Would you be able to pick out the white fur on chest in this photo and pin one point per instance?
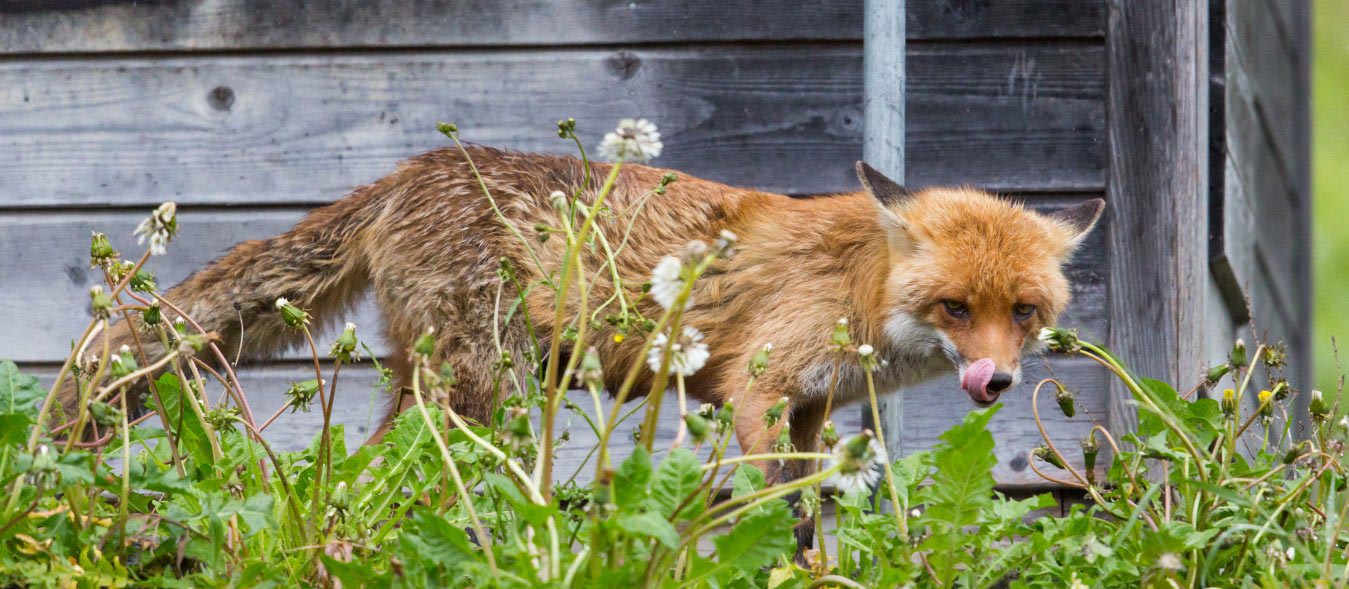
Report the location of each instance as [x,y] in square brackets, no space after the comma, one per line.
[912,354]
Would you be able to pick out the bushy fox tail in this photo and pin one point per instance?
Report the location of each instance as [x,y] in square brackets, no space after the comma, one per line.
[319,265]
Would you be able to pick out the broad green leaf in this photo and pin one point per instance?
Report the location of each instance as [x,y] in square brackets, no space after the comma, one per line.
[678,477]
[962,487]
[650,525]
[632,482]
[182,422]
[19,392]
[753,542]
[14,428]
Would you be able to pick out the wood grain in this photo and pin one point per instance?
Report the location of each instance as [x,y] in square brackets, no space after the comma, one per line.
[67,26]
[1158,186]
[306,129]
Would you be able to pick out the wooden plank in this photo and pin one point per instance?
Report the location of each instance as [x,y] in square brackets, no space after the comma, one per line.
[65,26]
[1259,52]
[1157,129]
[306,129]
[1261,184]
[44,261]
[883,98]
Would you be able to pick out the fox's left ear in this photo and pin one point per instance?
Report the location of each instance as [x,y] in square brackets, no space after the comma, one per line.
[1079,219]
[887,192]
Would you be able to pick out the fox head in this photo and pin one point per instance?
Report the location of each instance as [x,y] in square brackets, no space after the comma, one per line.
[973,277]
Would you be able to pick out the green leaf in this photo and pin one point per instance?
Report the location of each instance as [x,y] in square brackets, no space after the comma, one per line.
[256,511]
[650,525]
[753,542]
[678,476]
[962,487]
[182,422]
[632,482]
[748,479]
[529,511]
[19,392]
[14,428]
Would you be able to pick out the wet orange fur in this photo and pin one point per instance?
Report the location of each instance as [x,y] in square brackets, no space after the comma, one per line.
[426,241]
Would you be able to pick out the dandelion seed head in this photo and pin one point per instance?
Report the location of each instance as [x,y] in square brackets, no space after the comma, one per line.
[687,355]
[667,281]
[635,140]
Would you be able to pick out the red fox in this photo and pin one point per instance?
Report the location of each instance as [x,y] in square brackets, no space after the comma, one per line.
[939,280]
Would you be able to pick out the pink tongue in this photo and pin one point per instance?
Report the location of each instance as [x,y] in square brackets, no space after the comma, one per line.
[977,376]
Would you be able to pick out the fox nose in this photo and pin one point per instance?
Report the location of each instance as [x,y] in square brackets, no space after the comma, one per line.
[1000,382]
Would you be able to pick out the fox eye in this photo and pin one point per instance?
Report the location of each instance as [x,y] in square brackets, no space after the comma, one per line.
[956,309]
[1023,311]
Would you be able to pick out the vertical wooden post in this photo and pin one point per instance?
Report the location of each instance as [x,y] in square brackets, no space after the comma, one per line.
[883,135]
[1157,186]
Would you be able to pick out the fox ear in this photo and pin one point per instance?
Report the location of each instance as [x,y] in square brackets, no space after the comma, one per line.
[1079,219]
[886,191]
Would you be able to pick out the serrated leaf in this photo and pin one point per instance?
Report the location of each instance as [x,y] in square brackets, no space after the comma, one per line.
[182,422]
[679,475]
[650,525]
[19,392]
[962,487]
[14,428]
[754,542]
[632,482]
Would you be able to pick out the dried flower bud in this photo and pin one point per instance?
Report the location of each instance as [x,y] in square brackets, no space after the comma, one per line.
[1281,389]
[1065,399]
[725,244]
[344,349]
[1238,355]
[426,343]
[842,338]
[774,413]
[697,426]
[784,441]
[858,446]
[100,304]
[1058,339]
[693,251]
[105,414]
[1317,407]
[592,371]
[143,282]
[1047,455]
[829,435]
[340,501]
[726,415]
[558,199]
[292,315]
[100,251]
[1090,448]
[1216,373]
[758,364]
[1276,355]
[223,418]
[518,429]
[566,128]
[301,394]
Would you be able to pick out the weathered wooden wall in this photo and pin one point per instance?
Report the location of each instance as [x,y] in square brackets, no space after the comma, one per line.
[1260,191]
[248,113]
